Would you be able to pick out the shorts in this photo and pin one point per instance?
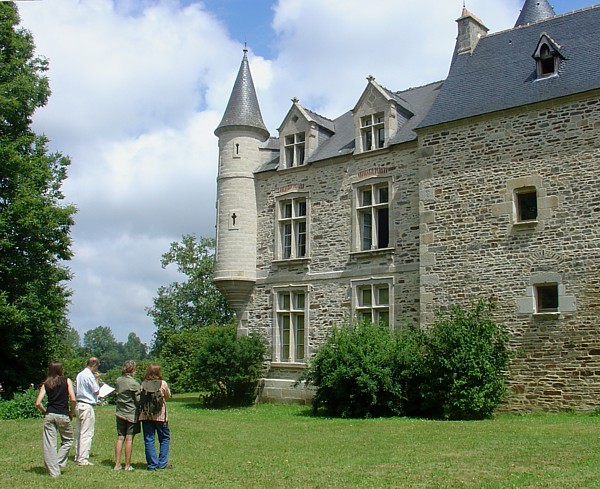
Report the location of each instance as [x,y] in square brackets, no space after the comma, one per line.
[125,427]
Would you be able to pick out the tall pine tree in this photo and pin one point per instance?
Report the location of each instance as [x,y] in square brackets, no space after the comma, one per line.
[34,223]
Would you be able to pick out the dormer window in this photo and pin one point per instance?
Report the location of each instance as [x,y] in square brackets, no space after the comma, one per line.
[547,56]
[372,128]
[548,62]
[294,148]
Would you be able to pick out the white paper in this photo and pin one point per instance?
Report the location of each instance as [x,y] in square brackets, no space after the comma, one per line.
[105,390]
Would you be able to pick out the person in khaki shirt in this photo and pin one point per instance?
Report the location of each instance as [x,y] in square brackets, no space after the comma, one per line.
[128,398]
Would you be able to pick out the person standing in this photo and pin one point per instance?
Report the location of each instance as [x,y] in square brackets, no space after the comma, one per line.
[128,398]
[87,390]
[58,414]
[154,417]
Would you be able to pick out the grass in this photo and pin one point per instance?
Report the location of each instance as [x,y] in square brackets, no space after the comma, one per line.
[273,446]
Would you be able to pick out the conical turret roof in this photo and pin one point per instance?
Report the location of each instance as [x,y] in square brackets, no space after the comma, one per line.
[243,109]
[534,11]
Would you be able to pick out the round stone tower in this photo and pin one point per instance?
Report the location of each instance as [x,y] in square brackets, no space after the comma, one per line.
[240,133]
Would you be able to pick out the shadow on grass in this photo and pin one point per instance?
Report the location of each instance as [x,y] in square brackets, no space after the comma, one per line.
[38,470]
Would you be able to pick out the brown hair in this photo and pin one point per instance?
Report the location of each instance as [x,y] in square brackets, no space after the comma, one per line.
[153,372]
[128,367]
[55,375]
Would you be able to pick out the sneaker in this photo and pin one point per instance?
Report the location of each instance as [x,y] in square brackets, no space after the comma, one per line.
[168,466]
[84,462]
[129,469]
[118,467]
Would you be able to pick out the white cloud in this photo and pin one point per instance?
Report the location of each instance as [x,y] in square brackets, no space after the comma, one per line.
[139,86]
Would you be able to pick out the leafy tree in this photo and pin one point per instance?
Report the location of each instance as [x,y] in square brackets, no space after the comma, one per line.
[194,303]
[34,223]
[100,342]
[134,349]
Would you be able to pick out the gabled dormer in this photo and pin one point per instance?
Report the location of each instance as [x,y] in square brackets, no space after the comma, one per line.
[548,56]
[300,134]
[378,115]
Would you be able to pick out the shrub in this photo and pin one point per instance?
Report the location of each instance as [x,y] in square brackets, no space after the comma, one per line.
[463,373]
[363,371]
[228,367]
[21,406]
[177,359]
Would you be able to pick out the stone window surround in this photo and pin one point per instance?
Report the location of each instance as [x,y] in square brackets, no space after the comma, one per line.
[293,196]
[277,291]
[545,203]
[357,284]
[356,234]
[527,304]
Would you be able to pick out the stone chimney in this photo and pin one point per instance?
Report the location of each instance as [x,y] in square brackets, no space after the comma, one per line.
[470,30]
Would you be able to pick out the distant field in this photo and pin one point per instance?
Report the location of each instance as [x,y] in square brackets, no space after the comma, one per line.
[274,446]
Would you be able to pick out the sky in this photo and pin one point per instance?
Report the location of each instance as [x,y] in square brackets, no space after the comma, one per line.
[138,87]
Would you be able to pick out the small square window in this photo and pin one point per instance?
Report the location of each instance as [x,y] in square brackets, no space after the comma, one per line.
[546,298]
[526,205]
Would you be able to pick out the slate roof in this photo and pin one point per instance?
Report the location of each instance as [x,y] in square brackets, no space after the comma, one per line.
[501,73]
[342,142]
[534,11]
[243,109]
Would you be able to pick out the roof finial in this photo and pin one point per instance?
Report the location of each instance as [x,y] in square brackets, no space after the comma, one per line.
[245,46]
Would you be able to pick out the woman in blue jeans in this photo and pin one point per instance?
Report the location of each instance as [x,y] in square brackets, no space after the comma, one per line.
[156,424]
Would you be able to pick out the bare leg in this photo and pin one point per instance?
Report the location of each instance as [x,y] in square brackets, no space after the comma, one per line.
[128,450]
[118,448]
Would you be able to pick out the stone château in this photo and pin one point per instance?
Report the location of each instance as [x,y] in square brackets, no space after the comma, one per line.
[485,184]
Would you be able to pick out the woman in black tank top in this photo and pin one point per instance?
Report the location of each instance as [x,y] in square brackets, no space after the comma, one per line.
[57,418]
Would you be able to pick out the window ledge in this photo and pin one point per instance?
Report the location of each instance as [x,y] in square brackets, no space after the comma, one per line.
[546,314]
[371,152]
[378,251]
[526,224]
[290,365]
[292,261]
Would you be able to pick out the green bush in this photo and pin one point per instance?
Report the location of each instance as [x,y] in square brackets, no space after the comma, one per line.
[463,373]
[177,359]
[363,371]
[21,406]
[228,367]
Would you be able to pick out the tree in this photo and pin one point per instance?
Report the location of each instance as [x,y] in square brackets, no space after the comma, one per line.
[100,342]
[34,224]
[192,304]
[134,349]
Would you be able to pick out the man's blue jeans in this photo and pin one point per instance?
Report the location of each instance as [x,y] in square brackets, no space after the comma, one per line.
[164,436]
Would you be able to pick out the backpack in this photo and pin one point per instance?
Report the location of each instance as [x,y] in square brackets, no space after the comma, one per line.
[151,398]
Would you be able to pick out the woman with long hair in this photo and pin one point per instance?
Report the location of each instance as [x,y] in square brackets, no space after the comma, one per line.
[155,421]
[58,414]
[128,425]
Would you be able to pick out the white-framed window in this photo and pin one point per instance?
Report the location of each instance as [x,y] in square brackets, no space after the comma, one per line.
[294,149]
[373,216]
[372,300]
[372,131]
[293,227]
[526,204]
[291,312]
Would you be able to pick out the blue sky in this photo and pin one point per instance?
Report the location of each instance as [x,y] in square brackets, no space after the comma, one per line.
[138,87]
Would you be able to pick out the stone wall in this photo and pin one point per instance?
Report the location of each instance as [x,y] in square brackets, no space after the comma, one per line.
[472,246]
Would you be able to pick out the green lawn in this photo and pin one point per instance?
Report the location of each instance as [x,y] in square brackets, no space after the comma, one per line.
[272,446]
